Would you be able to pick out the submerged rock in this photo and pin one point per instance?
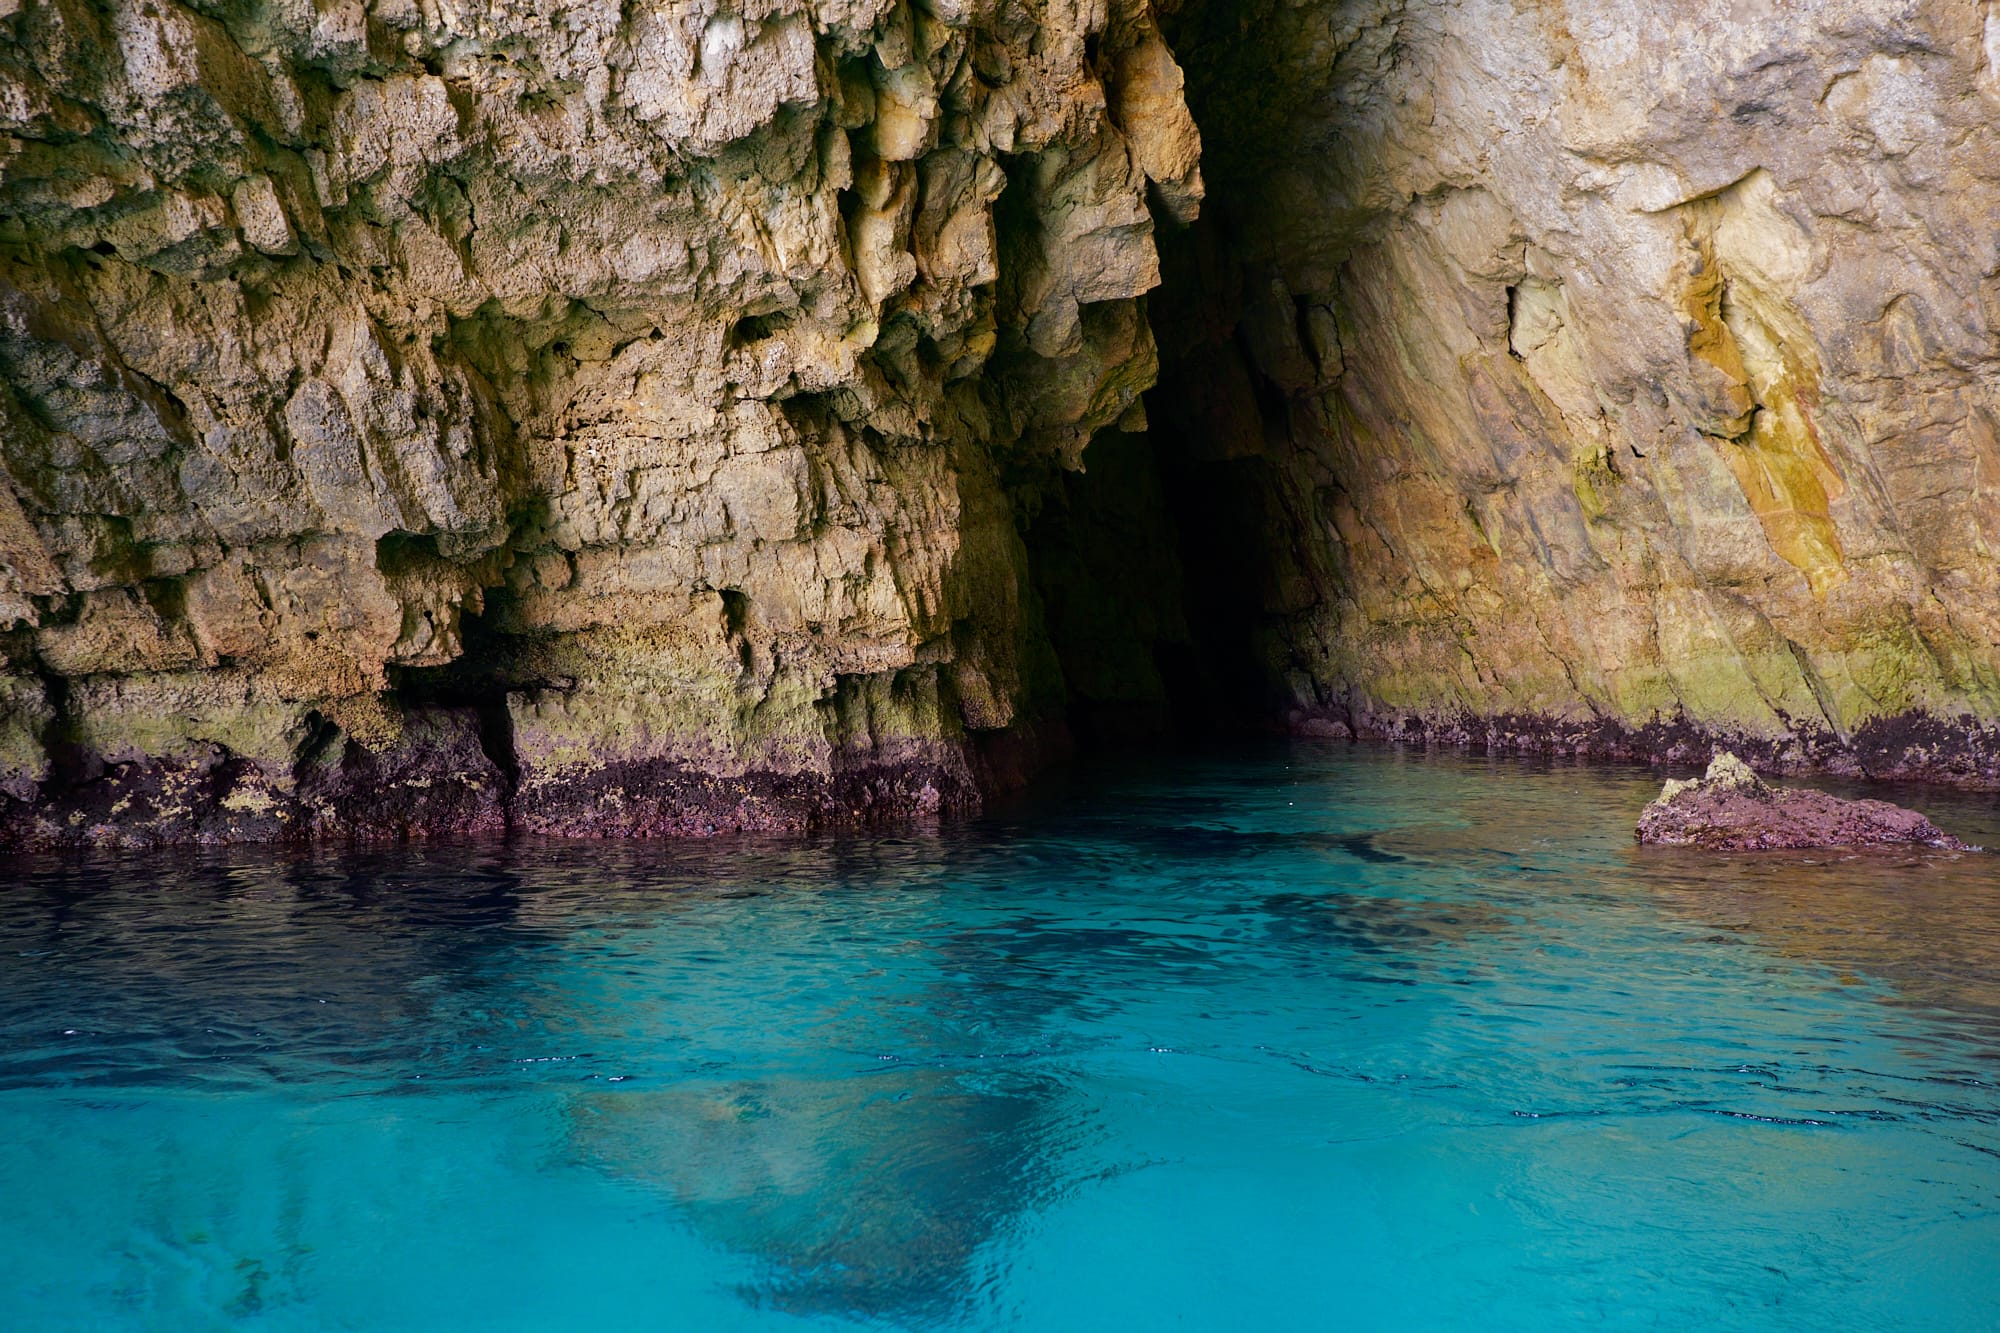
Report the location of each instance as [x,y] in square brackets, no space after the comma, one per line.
[1730,809]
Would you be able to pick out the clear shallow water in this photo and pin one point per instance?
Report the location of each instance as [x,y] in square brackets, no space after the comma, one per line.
[1308,1039]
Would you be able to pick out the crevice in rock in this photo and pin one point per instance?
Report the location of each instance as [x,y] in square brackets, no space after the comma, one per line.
[69,764]
[756,328]
[473,682]
[496,739]
[322,734]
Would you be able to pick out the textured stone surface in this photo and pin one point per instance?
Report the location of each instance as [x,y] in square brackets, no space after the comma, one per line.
[435,779]
[691,358]
[1607,376]
[1729,809]
[696,416]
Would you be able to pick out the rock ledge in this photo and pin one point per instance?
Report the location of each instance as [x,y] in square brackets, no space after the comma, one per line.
[1730,809]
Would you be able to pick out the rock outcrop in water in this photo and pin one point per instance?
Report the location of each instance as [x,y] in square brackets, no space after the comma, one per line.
[1729,809]
[660,419]
[1610,377]
[597,418]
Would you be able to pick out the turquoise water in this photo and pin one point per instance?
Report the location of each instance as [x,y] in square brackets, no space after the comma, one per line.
[1318,1038]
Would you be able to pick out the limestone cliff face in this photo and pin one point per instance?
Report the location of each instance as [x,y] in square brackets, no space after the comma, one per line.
[689,359]
[705,414]
[1607,375]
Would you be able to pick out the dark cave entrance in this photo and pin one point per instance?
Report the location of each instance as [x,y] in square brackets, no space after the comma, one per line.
[1154,566]
[1185,568]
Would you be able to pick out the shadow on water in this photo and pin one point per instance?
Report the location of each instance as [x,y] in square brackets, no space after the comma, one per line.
[868,1196]
[874,1192]
[246,966]
[1368,924]
[868,1193]
[863,1186]
[854,1062]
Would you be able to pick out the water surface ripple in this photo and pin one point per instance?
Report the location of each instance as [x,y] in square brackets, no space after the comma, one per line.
[1304,1038]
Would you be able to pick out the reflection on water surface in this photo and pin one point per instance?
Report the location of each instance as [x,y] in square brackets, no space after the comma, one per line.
[1289,1039]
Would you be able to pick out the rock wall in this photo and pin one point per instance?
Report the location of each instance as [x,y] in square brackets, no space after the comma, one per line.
[1610,377]
[669,418]
[581,417]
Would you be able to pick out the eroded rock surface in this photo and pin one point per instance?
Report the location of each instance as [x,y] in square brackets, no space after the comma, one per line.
[1730,809]
[1610,376]
[668,418]
[691,360]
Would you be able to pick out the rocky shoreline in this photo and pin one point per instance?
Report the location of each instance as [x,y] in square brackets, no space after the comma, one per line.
[1914,746]
[453,772]
[439,783]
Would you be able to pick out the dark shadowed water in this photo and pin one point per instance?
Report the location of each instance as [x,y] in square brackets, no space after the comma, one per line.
[1307,1039]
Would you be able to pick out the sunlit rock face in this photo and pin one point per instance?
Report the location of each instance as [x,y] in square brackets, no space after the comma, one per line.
[689,359]
[679,417]
[1606,376]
